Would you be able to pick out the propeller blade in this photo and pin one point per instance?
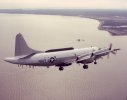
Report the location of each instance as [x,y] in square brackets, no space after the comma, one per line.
[77,58]
[116,49]
[114,52]
[108,56]
[92,54]
[110,47]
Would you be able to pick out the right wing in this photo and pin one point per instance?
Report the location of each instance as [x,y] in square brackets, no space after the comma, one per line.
[93,56]
[86,58]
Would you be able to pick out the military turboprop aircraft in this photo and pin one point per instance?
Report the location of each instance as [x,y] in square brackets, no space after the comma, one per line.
[61,57]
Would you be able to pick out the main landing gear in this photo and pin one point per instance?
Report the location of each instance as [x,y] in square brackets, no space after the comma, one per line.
[85,66]
[61,68]
[95,62]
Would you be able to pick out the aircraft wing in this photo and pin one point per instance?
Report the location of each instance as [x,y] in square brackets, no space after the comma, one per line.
[86,58]
[100,53]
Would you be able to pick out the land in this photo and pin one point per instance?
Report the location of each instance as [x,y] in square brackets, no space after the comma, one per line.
[115,26]
[113,21]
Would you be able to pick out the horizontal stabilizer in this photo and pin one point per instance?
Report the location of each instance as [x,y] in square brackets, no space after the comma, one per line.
[28,56]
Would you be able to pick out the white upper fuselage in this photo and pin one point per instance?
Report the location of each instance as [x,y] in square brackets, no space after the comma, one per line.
[51,58]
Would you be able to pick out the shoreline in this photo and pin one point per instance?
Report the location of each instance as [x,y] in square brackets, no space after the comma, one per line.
[113,30]
[110,23]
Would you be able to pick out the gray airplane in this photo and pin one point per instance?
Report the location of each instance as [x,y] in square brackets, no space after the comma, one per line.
[61,57]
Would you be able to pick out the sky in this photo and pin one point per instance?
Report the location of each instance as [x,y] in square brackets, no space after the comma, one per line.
[85,4]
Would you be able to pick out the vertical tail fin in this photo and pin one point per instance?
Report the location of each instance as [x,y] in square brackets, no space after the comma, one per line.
[21,47]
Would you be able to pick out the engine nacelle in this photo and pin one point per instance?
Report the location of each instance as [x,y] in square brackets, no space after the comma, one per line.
[86,61]
[64,64]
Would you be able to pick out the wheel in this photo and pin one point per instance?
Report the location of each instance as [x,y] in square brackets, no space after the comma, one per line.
[85,66]
[95,62]
[61,68]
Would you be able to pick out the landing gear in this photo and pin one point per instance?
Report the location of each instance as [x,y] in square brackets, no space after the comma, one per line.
[47,66]
[61,68]
[95,62]
[85,66]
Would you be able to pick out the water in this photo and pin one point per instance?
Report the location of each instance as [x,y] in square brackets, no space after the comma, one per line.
[104,81]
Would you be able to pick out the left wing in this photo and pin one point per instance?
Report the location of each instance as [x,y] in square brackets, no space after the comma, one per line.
[103,52]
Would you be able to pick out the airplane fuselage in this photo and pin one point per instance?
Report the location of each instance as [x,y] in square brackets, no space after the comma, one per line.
[61,57]
[52,58]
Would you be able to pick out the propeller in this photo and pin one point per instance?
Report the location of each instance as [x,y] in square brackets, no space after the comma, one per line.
[92,54]
[110,46]
[114,51]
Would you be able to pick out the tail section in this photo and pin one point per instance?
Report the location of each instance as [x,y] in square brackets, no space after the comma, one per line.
[21,47]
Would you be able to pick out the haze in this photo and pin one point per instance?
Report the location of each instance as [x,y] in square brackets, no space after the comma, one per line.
[85,4]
